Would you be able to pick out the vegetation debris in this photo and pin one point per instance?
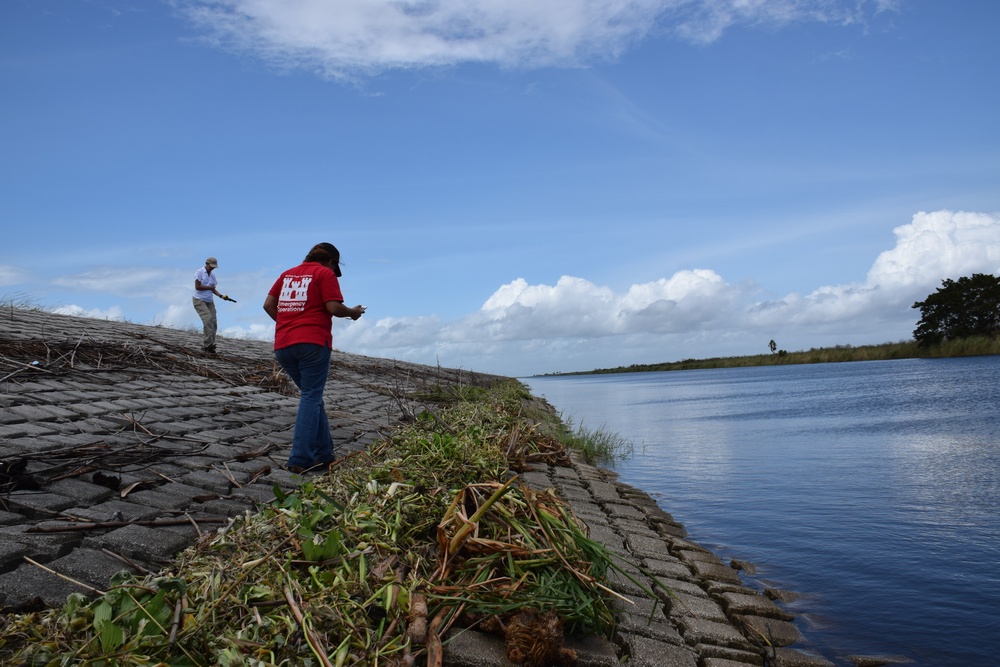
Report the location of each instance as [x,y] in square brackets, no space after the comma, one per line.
[378,562]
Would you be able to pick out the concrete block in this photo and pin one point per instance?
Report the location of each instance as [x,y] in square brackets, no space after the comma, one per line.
[647,618]
[710,652]
[45,503]
[673,569]
[645,652]
[718,572]
[140,542]
[701,631]
[225,507]
[210,480]
[255,493]
[469,648]
[91,567]
[753,605]
[27,429]
[786,657]
[11,555]
[619,583]
[115,510]
[723,662]
[677,586]
[8,518]
[160,499]
[681,604]
[81,491]
[29,585]
[778,632]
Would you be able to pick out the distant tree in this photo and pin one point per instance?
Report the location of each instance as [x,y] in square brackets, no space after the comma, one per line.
[960,308]
[772,346]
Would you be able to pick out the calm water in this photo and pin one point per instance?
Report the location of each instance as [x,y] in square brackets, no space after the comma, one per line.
[872,488]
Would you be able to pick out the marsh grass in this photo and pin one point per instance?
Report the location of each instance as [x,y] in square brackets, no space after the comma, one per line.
[599,446]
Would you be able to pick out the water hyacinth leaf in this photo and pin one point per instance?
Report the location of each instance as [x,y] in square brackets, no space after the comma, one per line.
[102,613]
[111,636]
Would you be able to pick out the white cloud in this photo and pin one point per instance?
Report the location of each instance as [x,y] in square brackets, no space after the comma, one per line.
[352,37]
[939,245]
[12,275]
[112,313]
[705,21]
[114,279]
[523,328]
[254,332]
[175,315]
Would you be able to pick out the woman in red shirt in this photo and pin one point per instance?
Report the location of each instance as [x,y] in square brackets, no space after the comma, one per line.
[303,302]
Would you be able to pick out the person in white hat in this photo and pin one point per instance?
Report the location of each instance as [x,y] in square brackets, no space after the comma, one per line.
[204,303]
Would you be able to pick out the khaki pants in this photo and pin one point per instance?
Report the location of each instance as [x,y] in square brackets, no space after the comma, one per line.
[206,311]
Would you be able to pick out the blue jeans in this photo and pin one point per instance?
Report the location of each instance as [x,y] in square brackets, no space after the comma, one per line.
[308,365]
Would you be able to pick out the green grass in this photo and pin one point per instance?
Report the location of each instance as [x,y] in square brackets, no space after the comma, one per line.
[598,446]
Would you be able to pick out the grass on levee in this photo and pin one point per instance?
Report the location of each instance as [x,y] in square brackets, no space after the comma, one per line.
[962,347]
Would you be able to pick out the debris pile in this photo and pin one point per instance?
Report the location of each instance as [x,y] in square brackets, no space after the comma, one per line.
[374,563]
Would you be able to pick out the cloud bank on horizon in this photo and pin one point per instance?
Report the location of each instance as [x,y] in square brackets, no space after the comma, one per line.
[366,37]
[694,312]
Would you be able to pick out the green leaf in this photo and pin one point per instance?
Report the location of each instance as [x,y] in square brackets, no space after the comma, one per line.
[112,636]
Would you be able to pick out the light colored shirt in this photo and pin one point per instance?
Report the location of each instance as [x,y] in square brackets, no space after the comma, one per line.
[207,280]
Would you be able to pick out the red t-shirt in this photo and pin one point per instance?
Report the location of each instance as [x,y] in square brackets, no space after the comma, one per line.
[302,294]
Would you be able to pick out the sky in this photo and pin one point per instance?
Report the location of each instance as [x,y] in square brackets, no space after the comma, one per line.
[525,187]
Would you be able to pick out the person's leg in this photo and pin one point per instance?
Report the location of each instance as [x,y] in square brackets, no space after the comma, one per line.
[206,311]
[314,365]
[210,327]
[308,366]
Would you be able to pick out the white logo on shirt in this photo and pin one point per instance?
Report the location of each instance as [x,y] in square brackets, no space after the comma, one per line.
[294,293]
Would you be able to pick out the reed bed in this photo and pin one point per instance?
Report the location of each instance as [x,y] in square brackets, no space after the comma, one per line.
[376,563]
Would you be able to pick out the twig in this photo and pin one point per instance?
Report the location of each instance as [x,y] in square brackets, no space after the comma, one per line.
[26,367]
[193,523]
[228,475]
[311,639]
[116,524]
[127,561]
[178,608]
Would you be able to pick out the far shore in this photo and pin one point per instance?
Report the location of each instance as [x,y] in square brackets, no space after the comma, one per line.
[964,347]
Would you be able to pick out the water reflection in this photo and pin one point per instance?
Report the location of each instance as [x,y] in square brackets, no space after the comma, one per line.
[872,487]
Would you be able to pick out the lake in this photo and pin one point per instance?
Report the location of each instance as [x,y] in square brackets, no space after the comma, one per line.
[871,488]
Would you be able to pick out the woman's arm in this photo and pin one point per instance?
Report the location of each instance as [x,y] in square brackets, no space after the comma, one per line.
[338,309]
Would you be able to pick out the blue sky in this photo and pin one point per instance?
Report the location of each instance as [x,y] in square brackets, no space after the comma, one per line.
[522,187]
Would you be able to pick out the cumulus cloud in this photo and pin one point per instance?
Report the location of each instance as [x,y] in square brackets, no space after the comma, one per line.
[939,245]
[694,313]
[352,37]
[932,247]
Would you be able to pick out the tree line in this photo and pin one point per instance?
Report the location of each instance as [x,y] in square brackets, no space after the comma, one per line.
[963,308]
